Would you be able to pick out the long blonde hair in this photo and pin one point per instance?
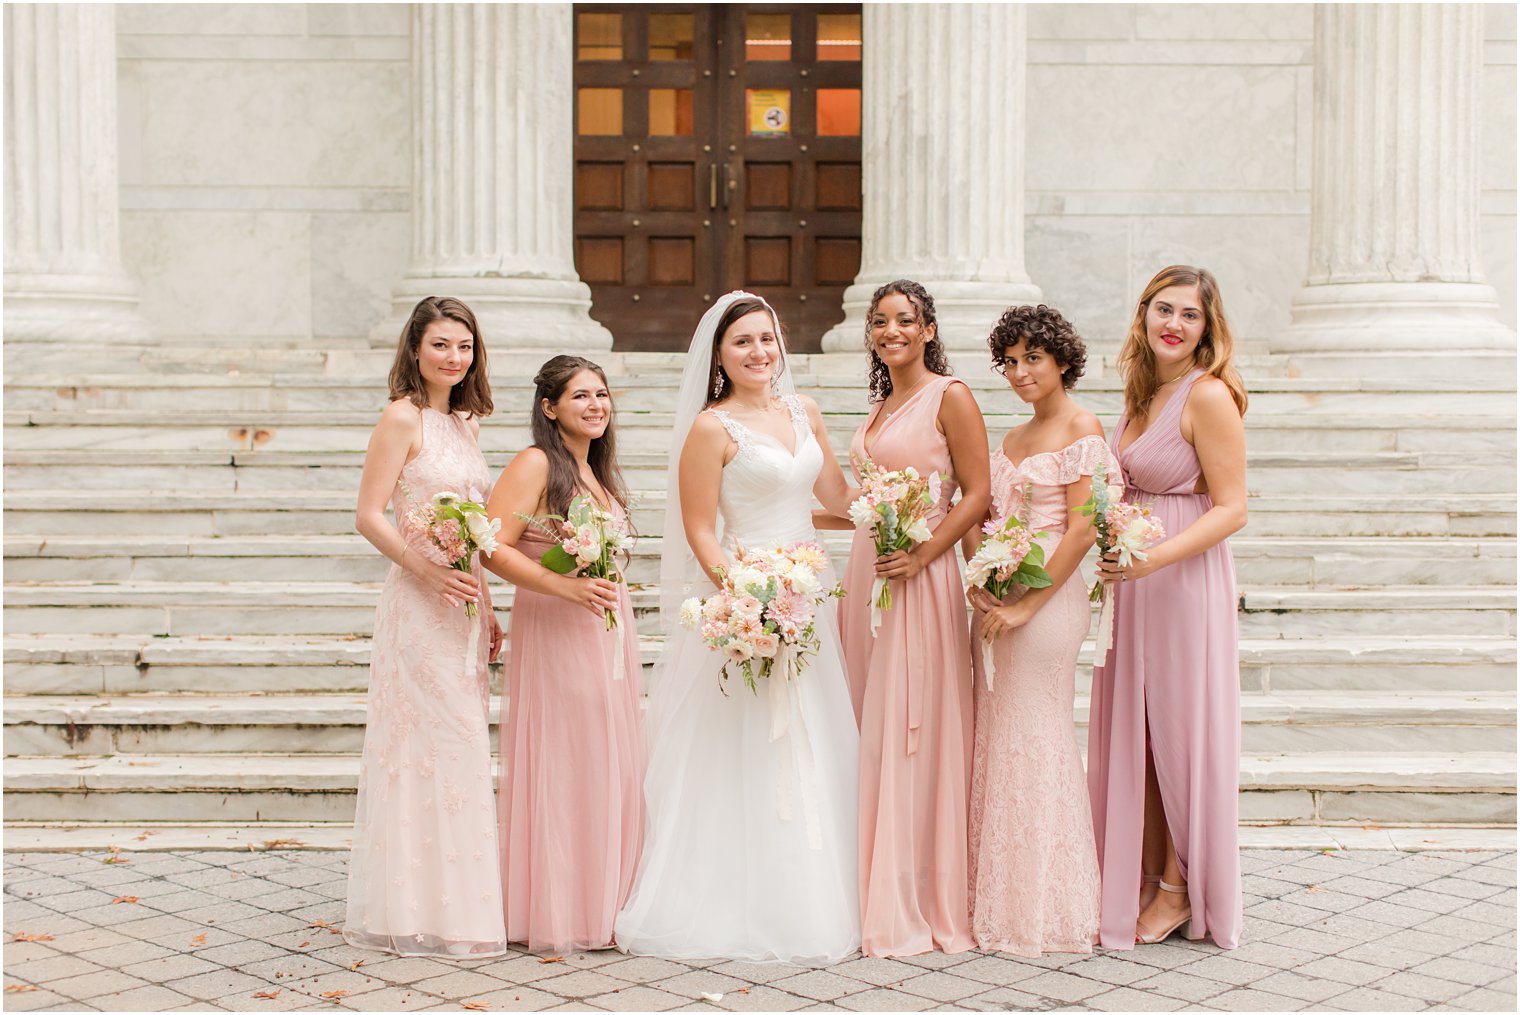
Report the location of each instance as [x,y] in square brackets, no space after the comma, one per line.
[1215,354]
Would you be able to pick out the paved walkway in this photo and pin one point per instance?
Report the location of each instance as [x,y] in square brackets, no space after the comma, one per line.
[1325,930]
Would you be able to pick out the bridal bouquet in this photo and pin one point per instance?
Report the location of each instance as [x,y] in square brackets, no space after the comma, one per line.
[1008,557]
[460,529]
[763,612]
[589,539]
[895,507]
[1126,529]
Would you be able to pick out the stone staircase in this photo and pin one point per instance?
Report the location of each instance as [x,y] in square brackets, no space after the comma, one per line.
[187,607]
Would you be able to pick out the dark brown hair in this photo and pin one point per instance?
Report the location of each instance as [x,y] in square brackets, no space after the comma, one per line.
[564,474]
[923,313]
[717,380]
[472,392]
[1044,328]
[1216,349]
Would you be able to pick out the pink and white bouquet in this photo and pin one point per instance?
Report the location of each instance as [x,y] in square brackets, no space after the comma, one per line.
[894,506]
[590,539]
[1125,529]
[460,529]
[1008,557]
[764,611]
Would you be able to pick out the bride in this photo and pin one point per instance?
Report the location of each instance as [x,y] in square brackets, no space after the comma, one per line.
[750,839]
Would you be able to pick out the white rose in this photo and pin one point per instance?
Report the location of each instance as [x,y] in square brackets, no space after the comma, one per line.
[919,531]
[691,613]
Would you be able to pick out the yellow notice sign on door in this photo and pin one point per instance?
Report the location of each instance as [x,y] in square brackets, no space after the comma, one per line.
[770,112]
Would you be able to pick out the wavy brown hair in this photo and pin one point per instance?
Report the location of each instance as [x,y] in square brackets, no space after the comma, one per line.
[564,473]
[1215,354]
[472,392]
[880,377]
[1044,328]
[719,386]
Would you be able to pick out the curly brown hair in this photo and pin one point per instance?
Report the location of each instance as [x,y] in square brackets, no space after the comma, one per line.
[934,351]
[1044,328]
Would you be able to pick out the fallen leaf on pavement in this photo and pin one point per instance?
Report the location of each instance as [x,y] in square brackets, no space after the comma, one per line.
[283,843]
[198,940]
[474,1006]
[303,944]
[32,937]
[144,836]
[355,967]
[334,994]
[20,988]
[115,859]
[1314,888]
[123,898]
[268,995]
[553,958]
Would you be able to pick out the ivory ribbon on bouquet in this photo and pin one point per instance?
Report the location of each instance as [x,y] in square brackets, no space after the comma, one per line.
[987,647]
[878,586]
[619,651]
[471,653]
[1105,626]
[794,753]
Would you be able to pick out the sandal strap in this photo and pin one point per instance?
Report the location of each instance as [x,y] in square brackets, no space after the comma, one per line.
[1174,889]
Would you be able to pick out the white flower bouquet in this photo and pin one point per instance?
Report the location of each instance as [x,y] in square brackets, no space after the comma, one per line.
[1124,529]
[894,507]
[1008,557]
[460,529]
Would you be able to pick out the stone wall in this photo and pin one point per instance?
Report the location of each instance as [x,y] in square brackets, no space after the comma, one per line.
[265,161]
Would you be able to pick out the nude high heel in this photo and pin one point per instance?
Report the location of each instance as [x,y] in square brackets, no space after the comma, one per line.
[1159,936]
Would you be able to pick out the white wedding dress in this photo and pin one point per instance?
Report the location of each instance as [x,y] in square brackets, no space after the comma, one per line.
[750,849]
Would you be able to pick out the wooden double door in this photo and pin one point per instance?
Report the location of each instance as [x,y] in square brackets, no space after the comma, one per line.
[717,147]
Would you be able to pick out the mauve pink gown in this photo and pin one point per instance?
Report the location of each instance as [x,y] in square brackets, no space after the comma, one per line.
[423,878]
[1176,664]
[1034,869]
[911,687]
[571,800]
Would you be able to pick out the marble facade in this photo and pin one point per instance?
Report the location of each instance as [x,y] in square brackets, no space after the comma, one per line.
[266,159]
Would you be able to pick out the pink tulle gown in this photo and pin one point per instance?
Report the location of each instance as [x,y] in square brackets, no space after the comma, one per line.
[911,687]
[1034,869]
[423,877]
[572,770]
[1175,666]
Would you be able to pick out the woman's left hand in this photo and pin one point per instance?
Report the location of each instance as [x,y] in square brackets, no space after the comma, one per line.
[1109,571]
[999,621]
[899,565]
[494,627]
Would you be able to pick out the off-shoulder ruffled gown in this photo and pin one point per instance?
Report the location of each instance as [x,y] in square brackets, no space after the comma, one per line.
[423,877]
[1034,869]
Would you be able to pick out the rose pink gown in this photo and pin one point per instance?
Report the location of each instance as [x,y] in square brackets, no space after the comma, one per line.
[911,687]
[423,877]
[1175,666]
[1034,869]
[572,770]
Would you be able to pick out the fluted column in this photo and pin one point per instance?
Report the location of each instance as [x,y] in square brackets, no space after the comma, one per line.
[1393,259]
[64,279]
[492,175]
[942,131]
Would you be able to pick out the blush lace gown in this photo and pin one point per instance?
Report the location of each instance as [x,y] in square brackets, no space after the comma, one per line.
[423,877]
[1174,673]
[572,770]
[1034,869]
[911,687]
[750,845]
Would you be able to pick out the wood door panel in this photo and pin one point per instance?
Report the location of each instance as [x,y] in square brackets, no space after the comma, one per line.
[683,201]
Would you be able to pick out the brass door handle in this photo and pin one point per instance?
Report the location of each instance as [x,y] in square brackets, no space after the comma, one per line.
[728,176]
[712,186]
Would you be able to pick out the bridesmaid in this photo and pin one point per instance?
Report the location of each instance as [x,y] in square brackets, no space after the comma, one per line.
[423,877]
[572,756]
[1034,870]
[1165,723]
[911,683]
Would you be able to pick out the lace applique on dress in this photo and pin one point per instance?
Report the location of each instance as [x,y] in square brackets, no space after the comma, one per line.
[736,430]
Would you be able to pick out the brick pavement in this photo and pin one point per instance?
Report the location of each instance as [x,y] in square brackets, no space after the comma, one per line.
[1326,930]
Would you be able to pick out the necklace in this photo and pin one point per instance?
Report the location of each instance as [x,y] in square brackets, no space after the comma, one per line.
[909,394]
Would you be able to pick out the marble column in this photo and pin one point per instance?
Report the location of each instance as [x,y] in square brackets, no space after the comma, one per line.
[492,175]
[64,279]
[1393,259]
[942,131]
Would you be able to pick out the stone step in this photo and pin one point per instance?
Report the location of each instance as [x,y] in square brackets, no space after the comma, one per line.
[1397,788]
[314,608]
[1269,473]
[139,663]
[1258,561]
[833,392]
[186,512]
[1280,723]
[275,430]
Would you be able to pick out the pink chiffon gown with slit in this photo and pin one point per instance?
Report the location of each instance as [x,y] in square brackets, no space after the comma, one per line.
[423,876]
[571,800]
[1173,677]
[911,688]
[1034,869]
